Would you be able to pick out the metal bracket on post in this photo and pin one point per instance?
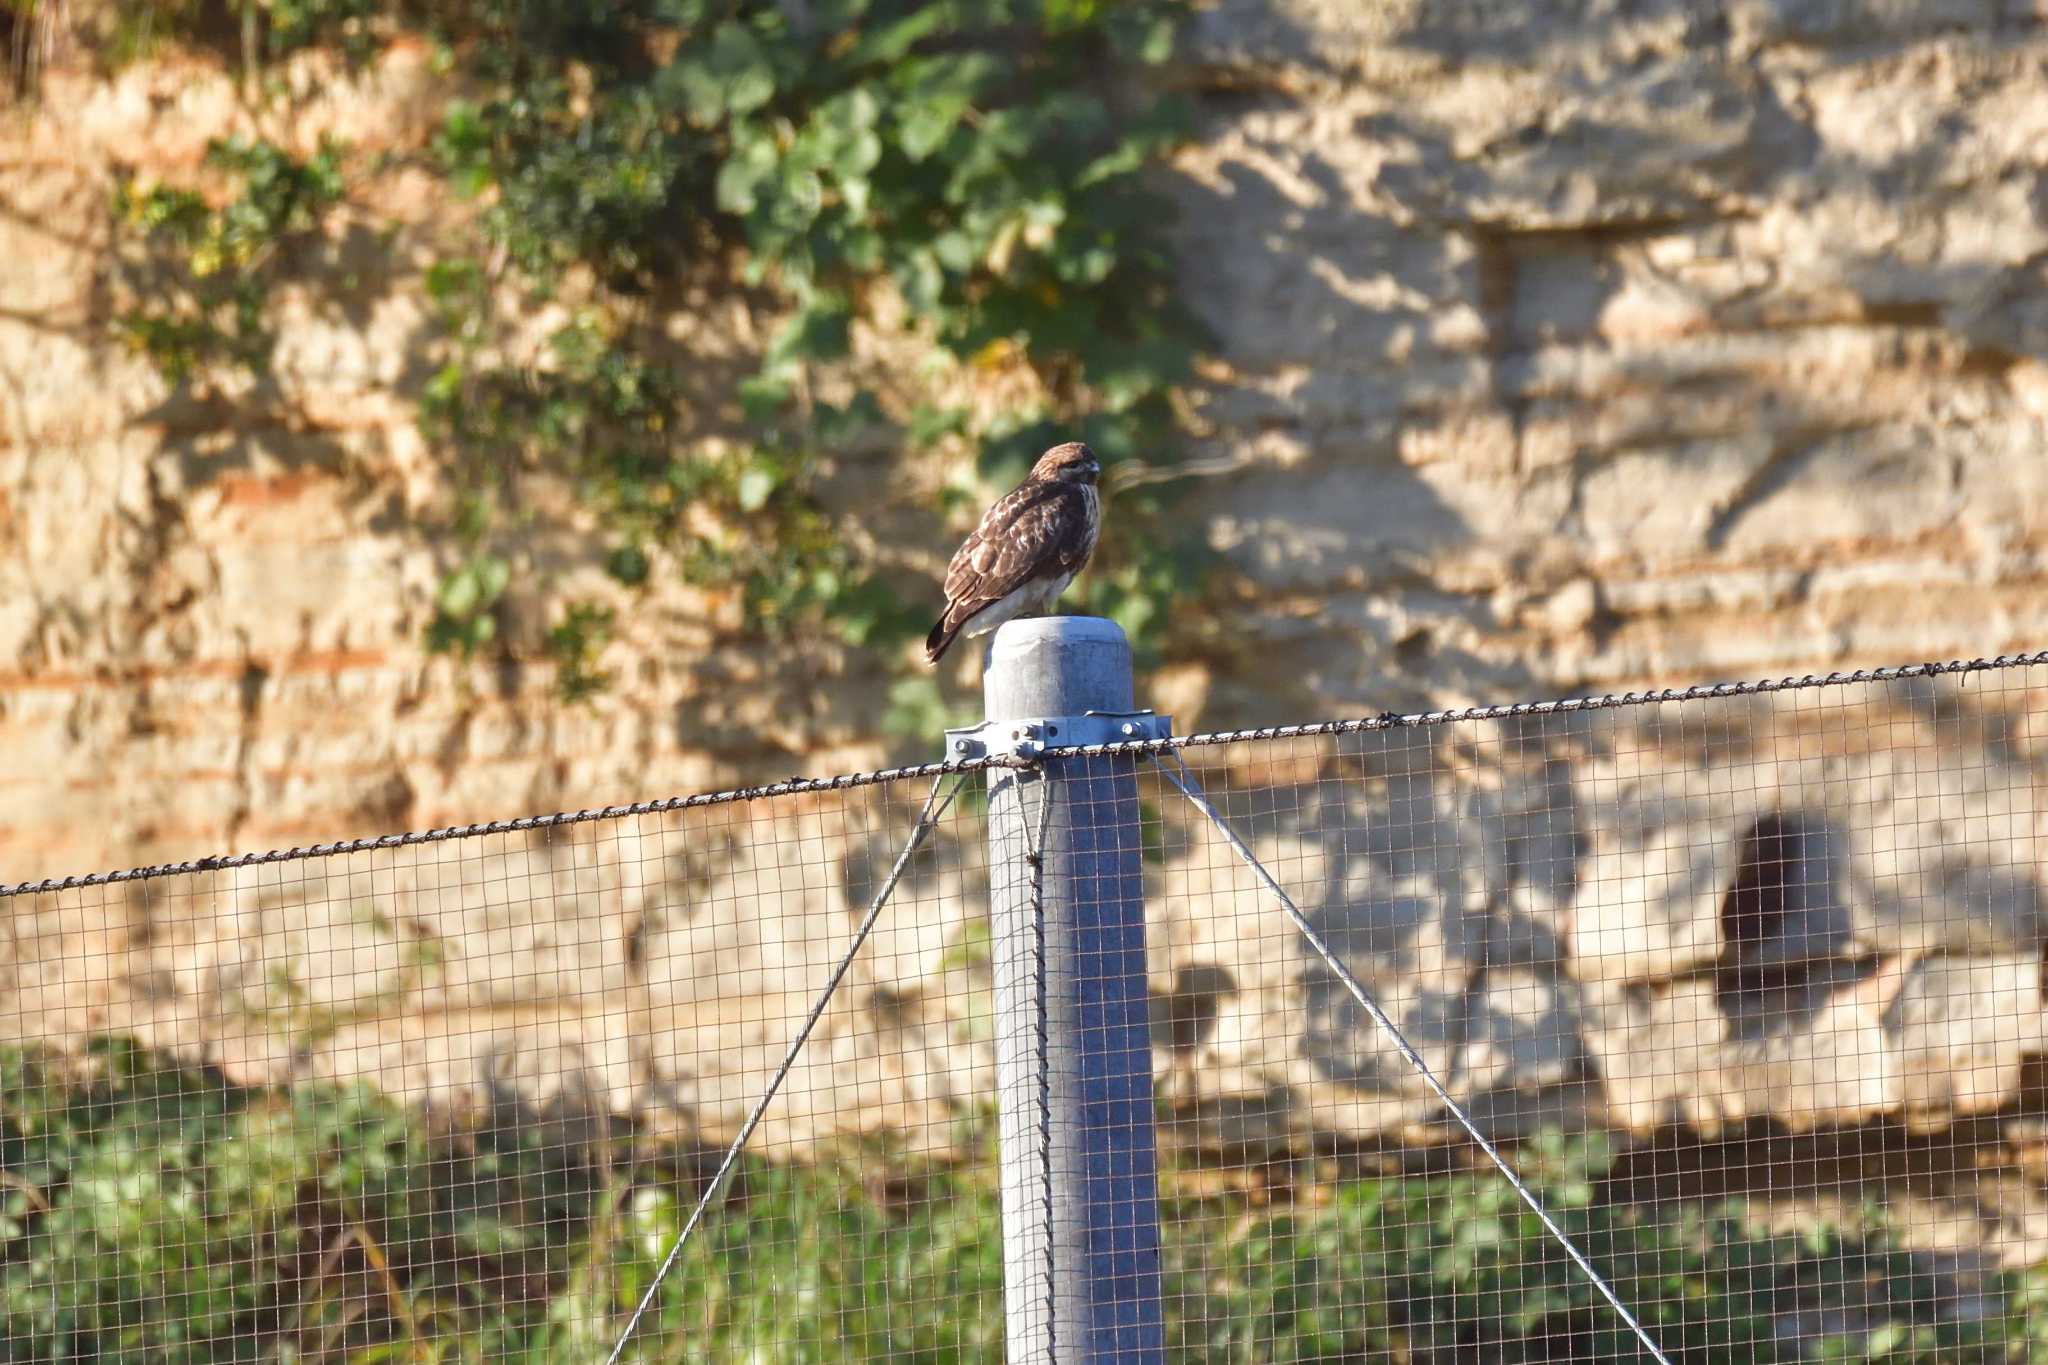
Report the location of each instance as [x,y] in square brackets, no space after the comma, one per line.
[1033,739]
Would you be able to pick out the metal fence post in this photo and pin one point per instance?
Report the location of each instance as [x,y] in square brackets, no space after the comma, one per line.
[1073,1055]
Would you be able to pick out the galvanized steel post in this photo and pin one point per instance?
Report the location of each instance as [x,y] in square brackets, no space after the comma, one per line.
[1073,1046]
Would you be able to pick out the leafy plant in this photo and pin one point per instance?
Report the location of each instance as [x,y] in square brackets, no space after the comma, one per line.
[206,307]
[155,1212]
[972,172]
[1457,1268]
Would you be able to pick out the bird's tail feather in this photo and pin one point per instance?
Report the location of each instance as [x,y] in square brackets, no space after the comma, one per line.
[936,643]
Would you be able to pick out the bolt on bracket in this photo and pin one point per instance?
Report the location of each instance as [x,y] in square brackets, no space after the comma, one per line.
[1033,739]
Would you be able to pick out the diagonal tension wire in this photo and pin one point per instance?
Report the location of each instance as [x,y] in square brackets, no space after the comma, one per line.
[1192,792]
[934,807]
[1034,854]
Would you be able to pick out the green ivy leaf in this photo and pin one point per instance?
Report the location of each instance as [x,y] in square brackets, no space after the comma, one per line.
[822,331]
[893,41]
[731,77]
[757,483]
[473,587]
[628,564]
[929,424]
[752,165]
[922,127]
[835,424]
[763,395]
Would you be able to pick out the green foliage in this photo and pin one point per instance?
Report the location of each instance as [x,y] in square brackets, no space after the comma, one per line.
[247,31]
[206,301]
[1458,1268]
[155,1213]
[981,161]
[288,26]
[817,1268]
[465,609]
[574,645]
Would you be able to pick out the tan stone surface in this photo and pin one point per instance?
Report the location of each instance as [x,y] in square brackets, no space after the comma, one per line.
[1818,909]
[1580,345]
[1558,348]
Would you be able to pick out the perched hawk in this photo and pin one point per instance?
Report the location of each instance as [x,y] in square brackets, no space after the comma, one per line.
[1029,546]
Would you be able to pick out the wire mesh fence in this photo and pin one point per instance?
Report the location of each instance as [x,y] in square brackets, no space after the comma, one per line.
[1744,984]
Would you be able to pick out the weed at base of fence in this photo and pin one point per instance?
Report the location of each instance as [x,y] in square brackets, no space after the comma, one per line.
[153,1212]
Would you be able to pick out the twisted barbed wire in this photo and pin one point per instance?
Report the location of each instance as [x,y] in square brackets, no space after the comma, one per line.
[796,786]
[1035,856]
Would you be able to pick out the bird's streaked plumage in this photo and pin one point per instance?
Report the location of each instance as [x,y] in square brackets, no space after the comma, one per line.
[1030,545]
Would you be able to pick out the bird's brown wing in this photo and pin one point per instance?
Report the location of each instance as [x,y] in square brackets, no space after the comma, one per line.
[1035,530]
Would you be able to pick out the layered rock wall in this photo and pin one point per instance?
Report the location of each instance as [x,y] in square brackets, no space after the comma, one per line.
[1587,343]
[1557,347]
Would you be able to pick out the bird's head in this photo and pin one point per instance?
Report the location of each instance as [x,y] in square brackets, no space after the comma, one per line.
[1072,462]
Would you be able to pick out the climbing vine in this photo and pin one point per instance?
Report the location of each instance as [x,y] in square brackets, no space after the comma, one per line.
[973,172]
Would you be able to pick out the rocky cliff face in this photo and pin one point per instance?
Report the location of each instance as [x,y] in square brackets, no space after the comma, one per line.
[211,608]
[1595,342]
[1560,346]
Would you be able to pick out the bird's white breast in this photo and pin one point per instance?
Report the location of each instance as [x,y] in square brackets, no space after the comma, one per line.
[1033,596]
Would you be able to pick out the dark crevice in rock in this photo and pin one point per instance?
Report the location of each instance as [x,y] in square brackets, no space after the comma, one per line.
[1784,927]
[1184,1017]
